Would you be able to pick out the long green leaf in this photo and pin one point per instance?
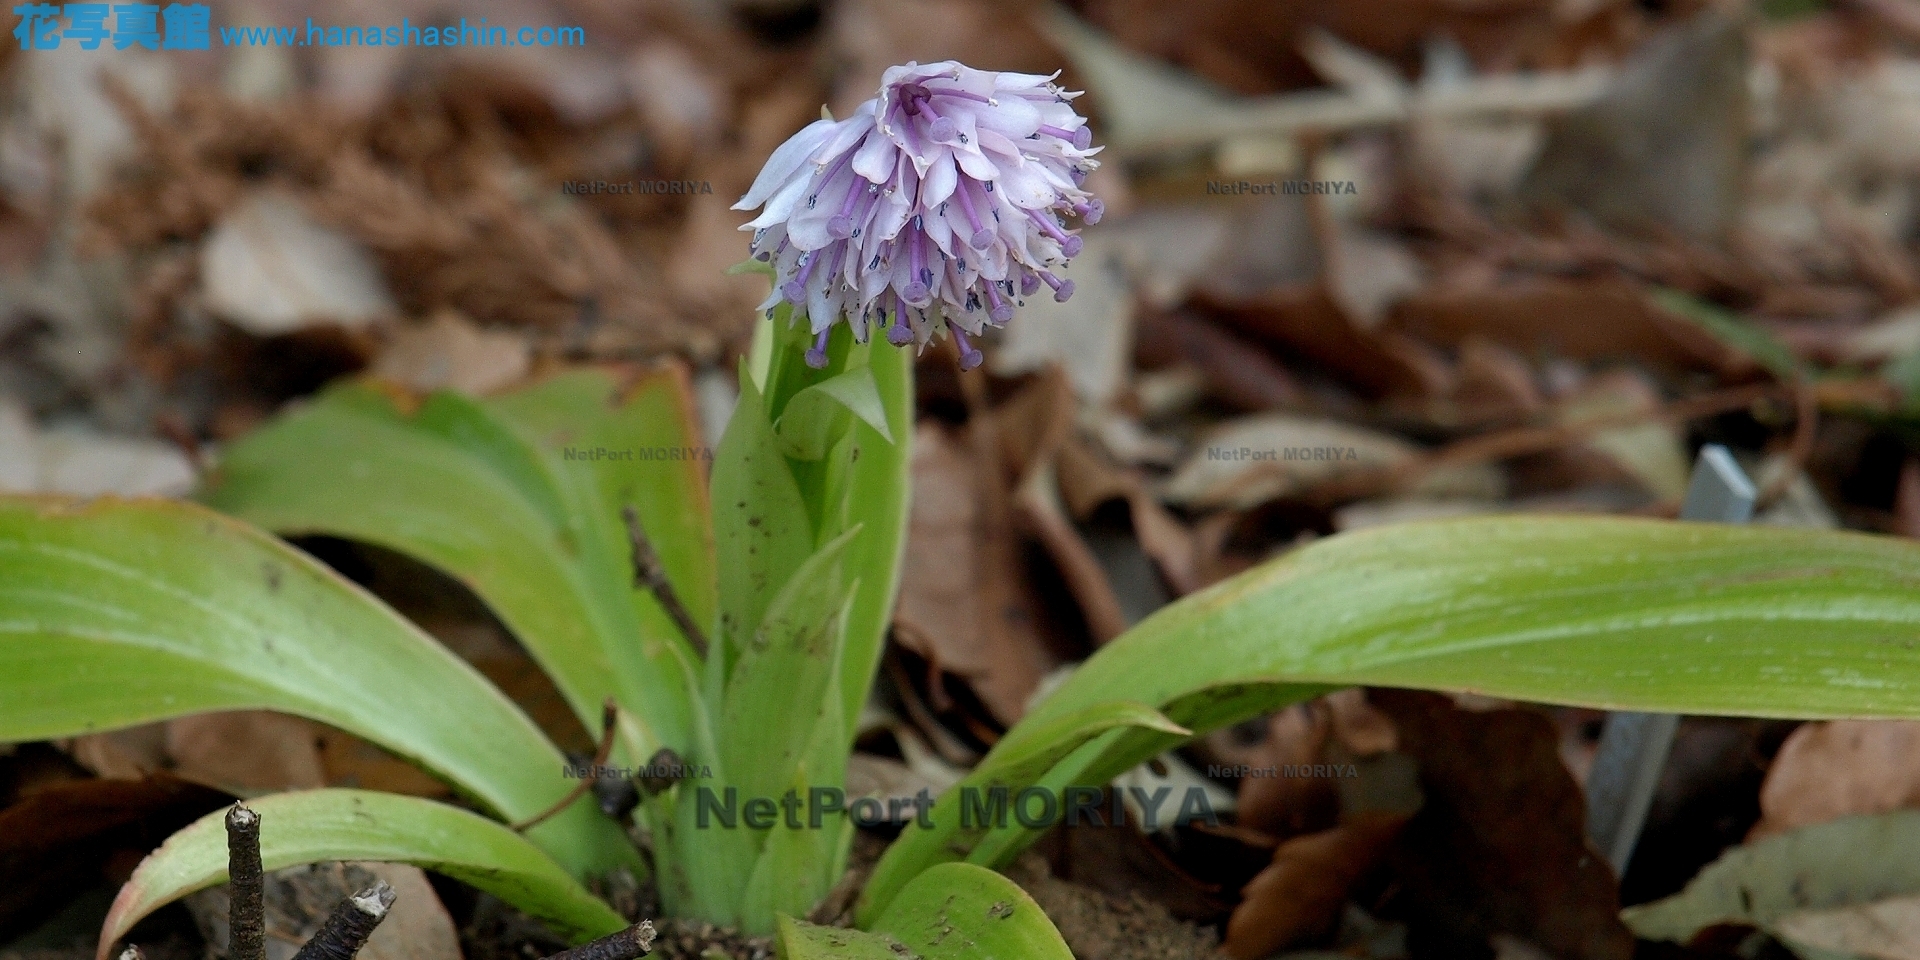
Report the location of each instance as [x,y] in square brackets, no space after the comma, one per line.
[519,497]
[114,613]
[780,728]
[951,836]
[315,826]
[1612,613]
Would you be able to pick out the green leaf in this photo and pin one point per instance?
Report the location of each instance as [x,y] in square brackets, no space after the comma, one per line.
[808,424]
[1116,751]
[957,911]
[800,940]
[793,872]
[1842,863]
[1605,612]
[951,838]
[315,826]
[873,482]
[588,410]
[775,699]
[863,481]
[519,498]
[1733,331]
[780,728]
[760,521]
[115,613]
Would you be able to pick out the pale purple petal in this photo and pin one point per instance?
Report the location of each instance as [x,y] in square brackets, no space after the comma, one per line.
[950,186]
[786,159]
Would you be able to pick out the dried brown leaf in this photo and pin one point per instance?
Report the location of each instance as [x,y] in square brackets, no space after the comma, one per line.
[246,752]
[450,353]
[1578,319]
[963,604]
[1829,770]
[1500,847]
[1289,806]
[1299,897]
[55,841]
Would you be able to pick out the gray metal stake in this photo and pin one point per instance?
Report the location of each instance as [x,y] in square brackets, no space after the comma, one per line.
[1634,746]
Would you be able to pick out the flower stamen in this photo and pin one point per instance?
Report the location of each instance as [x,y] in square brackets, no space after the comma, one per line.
[982,237]
[817,357]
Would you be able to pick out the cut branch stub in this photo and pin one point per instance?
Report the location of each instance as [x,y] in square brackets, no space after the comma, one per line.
[629,944]
[246,914]
[349,925]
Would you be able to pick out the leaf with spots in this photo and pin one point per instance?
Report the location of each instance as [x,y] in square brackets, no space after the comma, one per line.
[761,530]
[863,476]
[958,911]
[800,940]
[955,911]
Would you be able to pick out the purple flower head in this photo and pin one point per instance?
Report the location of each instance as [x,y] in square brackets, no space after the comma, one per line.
[935,206]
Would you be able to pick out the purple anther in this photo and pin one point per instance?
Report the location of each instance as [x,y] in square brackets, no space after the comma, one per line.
[970,356]
[817,357]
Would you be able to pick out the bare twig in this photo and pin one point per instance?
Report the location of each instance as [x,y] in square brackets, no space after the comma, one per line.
[1805,425]
[647,572]
[246,913]
[349,925]
[635,941]
[609,713]
[174,428]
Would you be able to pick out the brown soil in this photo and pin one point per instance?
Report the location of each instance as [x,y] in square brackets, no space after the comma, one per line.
[1100,926]
[692,940]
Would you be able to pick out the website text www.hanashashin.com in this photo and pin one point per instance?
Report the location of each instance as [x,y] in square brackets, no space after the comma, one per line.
[406,34]
[188,26]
